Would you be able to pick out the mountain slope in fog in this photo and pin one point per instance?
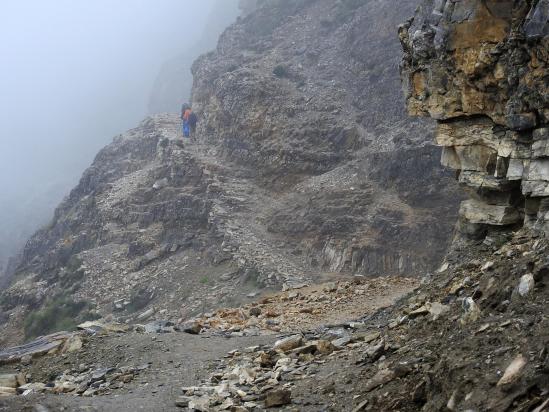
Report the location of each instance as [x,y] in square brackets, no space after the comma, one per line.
[304,165]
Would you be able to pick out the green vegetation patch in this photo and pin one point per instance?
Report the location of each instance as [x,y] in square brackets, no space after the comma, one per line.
[72,274]
[61,313]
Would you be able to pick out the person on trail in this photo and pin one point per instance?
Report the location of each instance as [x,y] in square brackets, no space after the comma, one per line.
[185,115]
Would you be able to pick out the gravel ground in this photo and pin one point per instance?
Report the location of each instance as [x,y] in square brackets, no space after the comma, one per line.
[178,359]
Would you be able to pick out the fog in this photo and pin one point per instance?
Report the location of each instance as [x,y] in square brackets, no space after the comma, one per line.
[73,74]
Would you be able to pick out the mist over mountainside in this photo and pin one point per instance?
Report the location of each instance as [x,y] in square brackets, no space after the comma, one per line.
[76,75]
[299,251]
[173,84]
[304,165]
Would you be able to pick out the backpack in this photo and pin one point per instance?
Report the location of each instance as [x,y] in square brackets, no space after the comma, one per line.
[184,108]
[193,119]
[187,115]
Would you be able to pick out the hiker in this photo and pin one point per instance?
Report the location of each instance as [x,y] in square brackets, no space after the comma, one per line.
[185,115]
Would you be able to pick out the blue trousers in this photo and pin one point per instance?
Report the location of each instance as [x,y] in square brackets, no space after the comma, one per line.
[186,129]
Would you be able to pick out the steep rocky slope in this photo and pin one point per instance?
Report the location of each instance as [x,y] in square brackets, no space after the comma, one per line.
[326,112]
[472,337]
[304,165]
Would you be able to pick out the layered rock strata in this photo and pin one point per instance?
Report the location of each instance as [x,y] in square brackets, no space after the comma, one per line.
[481,68]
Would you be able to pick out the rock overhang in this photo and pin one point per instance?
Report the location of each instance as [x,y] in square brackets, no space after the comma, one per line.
[481,69]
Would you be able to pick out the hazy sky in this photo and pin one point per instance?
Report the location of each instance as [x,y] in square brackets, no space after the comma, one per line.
[72,66]
[73,74]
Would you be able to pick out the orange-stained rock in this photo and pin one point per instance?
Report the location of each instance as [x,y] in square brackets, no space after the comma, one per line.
[480,69]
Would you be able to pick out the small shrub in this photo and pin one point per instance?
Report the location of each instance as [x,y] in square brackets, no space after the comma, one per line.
[280,71]
[204,280]
[231,302]
[251,279]
[72,274]
[74,263]
[500,240]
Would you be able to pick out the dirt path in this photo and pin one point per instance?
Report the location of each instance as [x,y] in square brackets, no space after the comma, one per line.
[176,360]
[173,360]
[312,307]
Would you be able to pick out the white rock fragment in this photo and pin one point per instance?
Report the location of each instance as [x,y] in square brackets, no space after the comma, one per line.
[160,184]
[526,285]
[9,381]
[444,267]
[472,311]
[513,371]
[289,343]
[487,266]
[438,309]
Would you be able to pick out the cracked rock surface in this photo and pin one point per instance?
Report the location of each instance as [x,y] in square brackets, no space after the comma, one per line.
[481,69]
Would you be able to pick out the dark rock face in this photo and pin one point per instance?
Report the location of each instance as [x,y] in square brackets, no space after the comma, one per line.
[536,22]
[481,69]
[304,164]
[307,93]
[307,100]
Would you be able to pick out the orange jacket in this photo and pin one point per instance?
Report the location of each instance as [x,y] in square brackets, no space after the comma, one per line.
[186,115]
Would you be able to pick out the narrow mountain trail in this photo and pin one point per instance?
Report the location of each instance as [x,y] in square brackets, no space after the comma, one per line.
[240,206]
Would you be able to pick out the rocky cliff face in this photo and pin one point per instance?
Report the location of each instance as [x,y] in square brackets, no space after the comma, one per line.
[482,70]
[305,165]
[254,201]
[307,94]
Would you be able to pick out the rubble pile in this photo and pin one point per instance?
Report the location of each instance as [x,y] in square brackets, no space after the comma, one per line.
[263,376]
[318,176]
[306,308]
[84,381]
[10,382]
[61,342]
[473,337]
